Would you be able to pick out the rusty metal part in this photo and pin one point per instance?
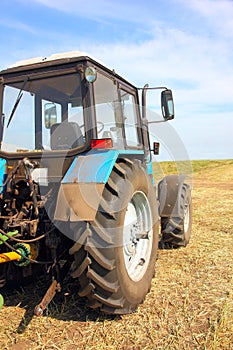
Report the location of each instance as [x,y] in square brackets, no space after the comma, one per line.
[28,167]
[49,295]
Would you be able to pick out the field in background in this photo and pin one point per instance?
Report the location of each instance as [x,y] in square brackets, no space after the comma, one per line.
[190,305]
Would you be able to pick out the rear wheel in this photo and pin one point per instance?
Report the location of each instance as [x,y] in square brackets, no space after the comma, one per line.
[115,256]
[176,231]
[137,236]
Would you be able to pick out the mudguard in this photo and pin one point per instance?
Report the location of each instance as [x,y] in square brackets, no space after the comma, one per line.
[169,195]
[81,189]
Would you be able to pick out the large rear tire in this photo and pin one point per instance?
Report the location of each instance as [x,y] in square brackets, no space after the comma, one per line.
[115,256]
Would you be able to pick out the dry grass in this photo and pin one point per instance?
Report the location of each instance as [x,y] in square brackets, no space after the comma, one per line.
[190,305]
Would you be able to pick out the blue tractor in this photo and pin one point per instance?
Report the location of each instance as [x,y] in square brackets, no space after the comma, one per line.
[77,195]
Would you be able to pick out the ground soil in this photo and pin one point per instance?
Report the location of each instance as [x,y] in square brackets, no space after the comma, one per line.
[190,305]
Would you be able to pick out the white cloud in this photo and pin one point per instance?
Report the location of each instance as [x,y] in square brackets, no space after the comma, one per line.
[217,12]
[103,9]
[192,64]
[17,25]
[197,65]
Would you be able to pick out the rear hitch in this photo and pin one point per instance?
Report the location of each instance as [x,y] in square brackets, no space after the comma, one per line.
[54,287]
[48,297]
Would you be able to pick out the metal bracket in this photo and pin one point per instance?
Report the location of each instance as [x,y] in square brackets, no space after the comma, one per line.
[49,295]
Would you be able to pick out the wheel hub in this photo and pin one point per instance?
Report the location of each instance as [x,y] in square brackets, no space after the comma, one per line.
[131,247]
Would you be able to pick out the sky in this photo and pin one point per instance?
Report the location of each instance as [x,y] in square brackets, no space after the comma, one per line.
[186,45]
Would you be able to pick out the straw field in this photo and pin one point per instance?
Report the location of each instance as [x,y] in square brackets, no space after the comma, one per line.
[190,305]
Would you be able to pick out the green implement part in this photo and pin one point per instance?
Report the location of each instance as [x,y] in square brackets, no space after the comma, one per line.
[1,301]
[5,238]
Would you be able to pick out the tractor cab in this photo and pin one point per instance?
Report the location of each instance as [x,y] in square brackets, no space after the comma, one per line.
[65,106]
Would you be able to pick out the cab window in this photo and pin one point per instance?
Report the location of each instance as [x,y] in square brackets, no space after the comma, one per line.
[44,113]
[108,111]
[128,105]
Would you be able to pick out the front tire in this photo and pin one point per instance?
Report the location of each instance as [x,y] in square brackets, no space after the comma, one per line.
[115,260]
[176,231]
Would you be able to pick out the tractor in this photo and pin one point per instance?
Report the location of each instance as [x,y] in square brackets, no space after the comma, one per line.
[77,194]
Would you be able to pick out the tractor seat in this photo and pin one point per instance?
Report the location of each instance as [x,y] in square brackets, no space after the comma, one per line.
[66,136]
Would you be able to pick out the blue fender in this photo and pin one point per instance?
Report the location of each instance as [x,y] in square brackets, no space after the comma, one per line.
[81,189]
[91,167]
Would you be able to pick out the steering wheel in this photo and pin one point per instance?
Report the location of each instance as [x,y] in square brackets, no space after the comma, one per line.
[99,129]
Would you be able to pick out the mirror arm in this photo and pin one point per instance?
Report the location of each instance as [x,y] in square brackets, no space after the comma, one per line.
[145,88]
[157,121]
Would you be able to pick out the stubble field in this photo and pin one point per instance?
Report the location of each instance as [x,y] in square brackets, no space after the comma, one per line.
[190,305]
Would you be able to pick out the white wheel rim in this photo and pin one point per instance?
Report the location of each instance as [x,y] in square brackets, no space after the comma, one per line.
[137,236]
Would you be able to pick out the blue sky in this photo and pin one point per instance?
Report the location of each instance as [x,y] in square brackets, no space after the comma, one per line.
[186,45]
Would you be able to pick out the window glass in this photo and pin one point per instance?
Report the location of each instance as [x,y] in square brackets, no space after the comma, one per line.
[19,131]
[108,112]
[44,113]
[130,118]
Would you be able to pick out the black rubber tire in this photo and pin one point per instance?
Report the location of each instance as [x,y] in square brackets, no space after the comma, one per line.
[98,255]
[176,231]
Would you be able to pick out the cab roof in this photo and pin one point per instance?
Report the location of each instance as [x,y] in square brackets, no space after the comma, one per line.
[54,57]
[56,60]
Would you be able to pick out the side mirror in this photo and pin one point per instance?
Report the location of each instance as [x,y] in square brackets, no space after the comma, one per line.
[167,105]
[50,115]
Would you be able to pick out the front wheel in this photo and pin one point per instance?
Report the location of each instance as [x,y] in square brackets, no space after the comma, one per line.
[115,263]
[176,231]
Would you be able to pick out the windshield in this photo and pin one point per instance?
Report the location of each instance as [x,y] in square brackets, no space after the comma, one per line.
[43,114]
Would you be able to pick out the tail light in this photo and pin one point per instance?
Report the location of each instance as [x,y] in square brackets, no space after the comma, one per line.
[101,143]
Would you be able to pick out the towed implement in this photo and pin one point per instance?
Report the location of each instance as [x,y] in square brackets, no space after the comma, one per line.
[77,195]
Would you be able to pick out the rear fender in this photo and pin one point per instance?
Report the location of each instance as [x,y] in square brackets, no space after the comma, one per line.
[81,189]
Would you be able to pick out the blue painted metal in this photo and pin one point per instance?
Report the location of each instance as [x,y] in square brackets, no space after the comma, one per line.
[95,166]
[149,168]
[2,173]
[130,151]
[150,172]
